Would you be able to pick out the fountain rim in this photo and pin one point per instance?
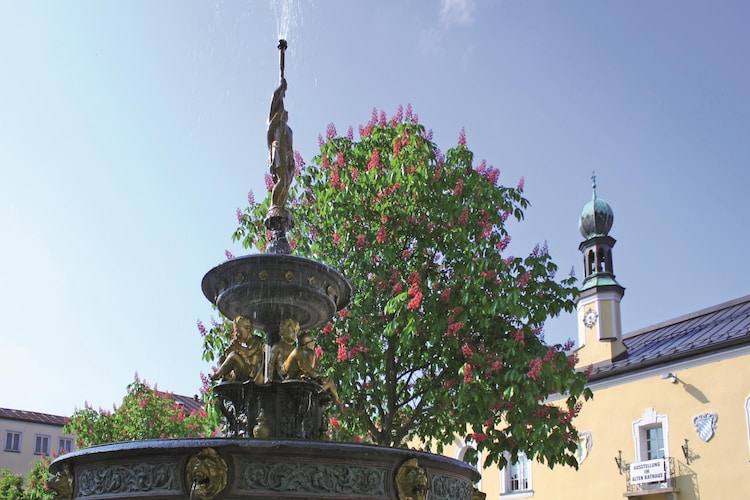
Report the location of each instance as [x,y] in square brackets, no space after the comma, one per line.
[275,259]
[271,446]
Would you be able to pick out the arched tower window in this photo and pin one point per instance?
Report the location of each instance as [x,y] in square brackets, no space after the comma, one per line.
[608,263]
[600,260]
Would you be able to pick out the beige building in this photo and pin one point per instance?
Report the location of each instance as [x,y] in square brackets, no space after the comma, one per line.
[670,417]
[28,436]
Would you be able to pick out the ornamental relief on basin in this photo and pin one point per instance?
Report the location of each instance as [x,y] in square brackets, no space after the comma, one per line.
[156,477]
[313,478]
[449,488]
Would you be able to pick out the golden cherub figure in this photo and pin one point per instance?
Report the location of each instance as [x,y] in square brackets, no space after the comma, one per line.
[288,331]
[301,364]
[243,359]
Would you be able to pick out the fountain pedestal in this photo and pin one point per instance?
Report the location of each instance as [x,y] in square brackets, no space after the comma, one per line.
[289,409]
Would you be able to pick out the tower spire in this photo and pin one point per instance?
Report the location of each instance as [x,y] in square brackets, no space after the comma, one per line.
[599,328]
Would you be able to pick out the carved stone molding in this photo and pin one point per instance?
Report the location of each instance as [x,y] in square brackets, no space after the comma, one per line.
[311,478]
[114,480]
[449,488]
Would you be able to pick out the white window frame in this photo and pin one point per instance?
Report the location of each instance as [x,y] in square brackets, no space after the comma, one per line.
[506,478]
[649,420]
[40,438]
[20,442]
[463,448]
[61,448]
[747,416]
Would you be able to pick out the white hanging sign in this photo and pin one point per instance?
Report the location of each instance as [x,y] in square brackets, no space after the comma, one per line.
[650,471]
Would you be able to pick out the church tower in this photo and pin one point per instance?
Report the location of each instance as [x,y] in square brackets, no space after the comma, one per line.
[598,306]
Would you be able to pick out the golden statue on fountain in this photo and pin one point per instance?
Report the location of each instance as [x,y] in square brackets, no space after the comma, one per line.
[243,359]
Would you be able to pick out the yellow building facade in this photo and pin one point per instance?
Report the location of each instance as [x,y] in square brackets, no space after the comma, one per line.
[670,417]
[29,436]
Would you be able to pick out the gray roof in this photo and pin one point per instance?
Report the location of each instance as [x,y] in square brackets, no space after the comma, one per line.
[710,330]
[33,416]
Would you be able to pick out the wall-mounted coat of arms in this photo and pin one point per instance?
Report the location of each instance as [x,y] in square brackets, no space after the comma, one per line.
[705,425]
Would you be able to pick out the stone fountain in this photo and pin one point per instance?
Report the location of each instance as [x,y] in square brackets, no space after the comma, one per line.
[273,400]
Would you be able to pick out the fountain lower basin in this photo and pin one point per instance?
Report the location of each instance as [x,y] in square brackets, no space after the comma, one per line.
[256,469]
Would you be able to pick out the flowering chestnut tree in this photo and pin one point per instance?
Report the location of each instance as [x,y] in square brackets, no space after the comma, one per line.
[145,413]
[443,333]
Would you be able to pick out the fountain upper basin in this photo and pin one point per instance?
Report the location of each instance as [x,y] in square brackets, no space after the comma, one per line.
[269,288]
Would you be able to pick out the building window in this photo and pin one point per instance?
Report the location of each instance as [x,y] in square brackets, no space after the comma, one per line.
[12,441]
[651,433]
[468,454]
[747,415]
[66,445]
[516,478]
[41,445]
[654,442]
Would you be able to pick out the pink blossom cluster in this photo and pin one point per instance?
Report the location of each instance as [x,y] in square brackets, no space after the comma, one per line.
[361,241]
[479,437]
[549,356]
[299,162]
[454,326]
[382,122]
[462,137]
[464,217]
[381,236]
[485,226]
[459,189]
[524,279]
[503,244]
[490,173]
[343,354]
[409,112]
[399,116]
[359,348]
[374,160]
[489,275]
[535,368]
[202,328]
[330,131]
[415,292]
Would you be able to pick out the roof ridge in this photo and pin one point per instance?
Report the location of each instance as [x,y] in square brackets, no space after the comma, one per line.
[687,317]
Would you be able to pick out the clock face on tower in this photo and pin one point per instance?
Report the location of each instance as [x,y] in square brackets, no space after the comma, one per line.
[589,318]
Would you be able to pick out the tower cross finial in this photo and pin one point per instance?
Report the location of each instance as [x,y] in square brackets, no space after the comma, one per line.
[593,181]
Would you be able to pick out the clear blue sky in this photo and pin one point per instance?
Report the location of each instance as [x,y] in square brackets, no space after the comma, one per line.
[131,131]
